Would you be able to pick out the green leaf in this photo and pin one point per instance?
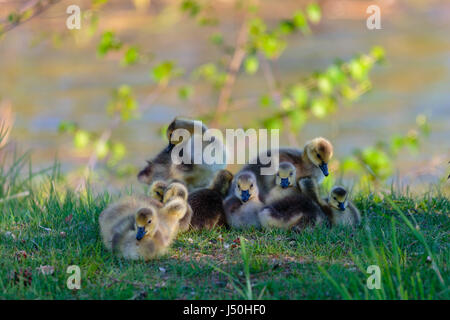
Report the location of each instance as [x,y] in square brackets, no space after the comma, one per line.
[266,100]
[378,53]
[300,21]
[325,85]
[216,38]
[164,71]
[101,149]
[314,13]
[300,95]
[190,6]
[251,64]
[298,119]
[185,92]
[273,123]
[131,56]
[67,126]
[108,42]
[287,26]
[118,151]
[81,139]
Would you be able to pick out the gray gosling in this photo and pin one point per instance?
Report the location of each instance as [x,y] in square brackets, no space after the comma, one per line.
[161,167]
[285,183]
[338,209]
[344,212]
[294,212]
[140,227]
[312,161]
[242,207]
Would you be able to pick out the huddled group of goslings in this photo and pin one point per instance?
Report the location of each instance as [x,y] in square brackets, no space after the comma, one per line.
[204,196]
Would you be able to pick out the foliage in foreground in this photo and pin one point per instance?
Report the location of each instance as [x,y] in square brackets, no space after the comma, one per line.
[52,228]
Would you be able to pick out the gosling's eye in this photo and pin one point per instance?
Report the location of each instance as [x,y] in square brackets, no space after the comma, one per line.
[149,221]
[278,174]
[251,186]
[318,156]
[291,174]
[239,187]
[334,198]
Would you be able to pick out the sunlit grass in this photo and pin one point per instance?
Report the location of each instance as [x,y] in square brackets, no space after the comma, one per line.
[406,236]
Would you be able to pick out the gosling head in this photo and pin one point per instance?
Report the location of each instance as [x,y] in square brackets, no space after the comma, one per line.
[246,188]
[175,190]
[223,180]
[286,174]
[157,190]
[181,123]
[146,223]
[319,152]
[338,198]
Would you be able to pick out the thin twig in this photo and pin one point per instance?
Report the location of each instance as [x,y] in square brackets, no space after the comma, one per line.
[37,7]
[233,69]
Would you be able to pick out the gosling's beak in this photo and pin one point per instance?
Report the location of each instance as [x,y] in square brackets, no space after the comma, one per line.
[324,168]
[284,183]
[245,195]
[140,233]
[341,206]
[169,147]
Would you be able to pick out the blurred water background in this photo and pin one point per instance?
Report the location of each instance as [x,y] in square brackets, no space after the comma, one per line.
[48,83]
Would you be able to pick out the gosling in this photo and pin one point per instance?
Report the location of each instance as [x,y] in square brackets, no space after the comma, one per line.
[195,176]
[338,209]
[140,227]
[284,183]
[312,161]
[343,211]
[295,212]
[177,190]
[242,207]
[207,203]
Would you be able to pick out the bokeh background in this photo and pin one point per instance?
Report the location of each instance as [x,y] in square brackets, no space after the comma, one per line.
[50,75]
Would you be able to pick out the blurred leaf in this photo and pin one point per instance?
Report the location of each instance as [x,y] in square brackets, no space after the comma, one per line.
[286,104]
[101,149]
[251,64]
[131,56]
[300,95]
[324,84]
[165,71]
[67,126]
[123,102]
[266,100]
[185,92]
[256,27]
[81,139]
[300,21]
[273,123]
[298,118]
[287,26]
[190,6]
[314,13]
[378,161]
[108,42]
[216,38]
[118,151]
[378,53]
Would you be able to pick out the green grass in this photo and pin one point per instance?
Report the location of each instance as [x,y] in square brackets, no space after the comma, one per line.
[406,236]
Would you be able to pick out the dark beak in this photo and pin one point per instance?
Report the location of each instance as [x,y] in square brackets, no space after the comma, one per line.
[284,183]
[341,206]
[324,168]
[169,147]
[140,233]
[245,195]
